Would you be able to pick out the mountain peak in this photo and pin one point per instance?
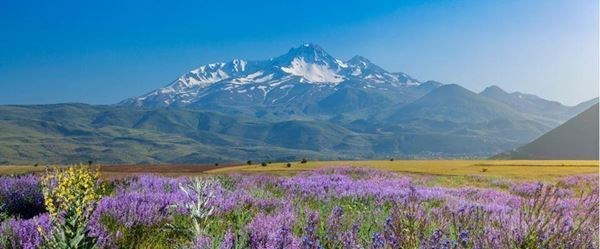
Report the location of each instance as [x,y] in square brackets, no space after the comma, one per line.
[357,59]
[301,65]
[452,88]
[309,51]
[430,85]
[311,45]
[493,90]
[310,62]
[364,63]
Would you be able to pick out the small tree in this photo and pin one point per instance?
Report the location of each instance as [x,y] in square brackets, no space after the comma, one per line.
[216,164]
[288,165]
[90,162]
[249,162]
[263,164]
[304,160]
[391,159]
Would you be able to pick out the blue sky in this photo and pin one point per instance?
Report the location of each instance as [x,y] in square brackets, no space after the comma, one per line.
[105,51]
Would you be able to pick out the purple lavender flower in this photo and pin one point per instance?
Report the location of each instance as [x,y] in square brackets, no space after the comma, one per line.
[335,223]
[265,211]
[228,240]
[377,241]
[203,242]
[273,230]
[132,209]
[25,233]
[350,238]
[309,239]
[463,237]
[21,196]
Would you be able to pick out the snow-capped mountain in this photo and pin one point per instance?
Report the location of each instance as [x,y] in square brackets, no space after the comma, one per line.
[303,72]
[305,103]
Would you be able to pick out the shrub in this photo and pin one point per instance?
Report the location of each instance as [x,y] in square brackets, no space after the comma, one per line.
[391,159]
[304,160]
[288,165]
[249,162]
[263,164]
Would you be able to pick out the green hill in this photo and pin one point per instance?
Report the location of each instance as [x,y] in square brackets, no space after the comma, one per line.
[575,139]
[448,121]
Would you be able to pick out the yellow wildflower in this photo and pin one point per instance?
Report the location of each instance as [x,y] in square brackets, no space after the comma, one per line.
[75,187]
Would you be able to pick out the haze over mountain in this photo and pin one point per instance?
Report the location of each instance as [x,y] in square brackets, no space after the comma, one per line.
[576,139]
[305,103]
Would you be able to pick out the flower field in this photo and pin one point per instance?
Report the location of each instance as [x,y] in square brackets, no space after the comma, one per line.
[335,207]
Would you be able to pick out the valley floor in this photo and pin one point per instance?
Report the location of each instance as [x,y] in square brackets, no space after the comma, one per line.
[513,169]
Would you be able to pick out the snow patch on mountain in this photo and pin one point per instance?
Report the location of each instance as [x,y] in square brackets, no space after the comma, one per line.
[307,64]
[313,73]
[256,77]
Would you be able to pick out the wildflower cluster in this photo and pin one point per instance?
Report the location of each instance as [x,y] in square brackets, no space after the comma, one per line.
[73,188]
[70,196]
[21,196]
[343,207]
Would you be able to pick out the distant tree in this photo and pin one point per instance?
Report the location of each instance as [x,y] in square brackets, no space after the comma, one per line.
[263,164]
[90,162]
[35,165]
[391,159]
[288,165]
[216,164]
[249,162]
[269,162]
[304,160]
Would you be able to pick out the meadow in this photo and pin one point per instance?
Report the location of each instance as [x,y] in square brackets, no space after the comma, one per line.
[512,169]
[341,204]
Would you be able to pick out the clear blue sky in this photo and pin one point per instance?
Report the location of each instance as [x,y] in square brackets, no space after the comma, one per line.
[106,51]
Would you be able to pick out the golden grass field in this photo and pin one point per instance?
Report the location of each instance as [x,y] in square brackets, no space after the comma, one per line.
[521,169]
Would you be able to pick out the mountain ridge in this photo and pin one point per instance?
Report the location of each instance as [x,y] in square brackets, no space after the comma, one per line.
[302,104]
[307,64]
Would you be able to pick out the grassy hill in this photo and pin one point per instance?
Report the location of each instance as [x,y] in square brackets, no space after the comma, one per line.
[575,139]
[449,122]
